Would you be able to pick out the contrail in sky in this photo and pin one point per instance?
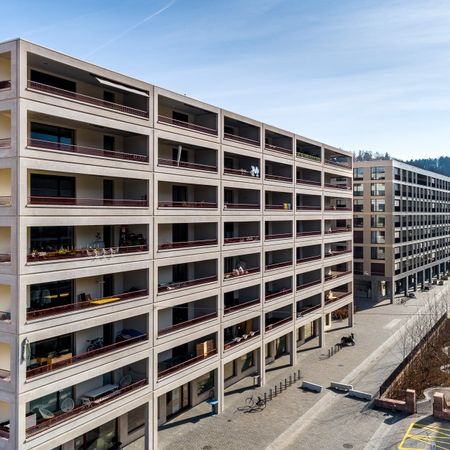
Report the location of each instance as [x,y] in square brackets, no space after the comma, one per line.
[126,31]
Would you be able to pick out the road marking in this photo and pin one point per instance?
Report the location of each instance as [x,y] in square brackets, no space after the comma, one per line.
[425,434]
[392,323]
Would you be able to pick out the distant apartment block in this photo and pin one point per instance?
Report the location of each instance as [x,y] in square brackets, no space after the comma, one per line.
[154,250]
[401,228]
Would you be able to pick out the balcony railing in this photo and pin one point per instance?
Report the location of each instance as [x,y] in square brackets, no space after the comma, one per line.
[282,206]
[311,182]
[280,293]
[278,323]
[86,99]
[279,178]
[241,206]
[308,156]
[309,207]
[85,356]
[337,275]
[337,296]
[5,200]
[338,230]
[179,204]
[5,142]
[230,309]
[187,363]
[186,165]
[337,208]
[303,311]
[185,284]
[234,240]
[187,323]
[338,186]
[92,151]
[69,201]
[278,265]
[237,273]
[71,307]
[308,233]
[188,125]
[336,253]
[308,258]
[6,84]
[85,407]
[277,148]
[5,257]
[278,236]
[338,163]
[240,339]
[37,256]
[187,244]
[307,285]
[234,137]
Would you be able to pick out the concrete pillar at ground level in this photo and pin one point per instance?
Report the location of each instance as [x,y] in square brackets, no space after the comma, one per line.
[322,332]
[219,388]
[262,364]
[350,314]
[151,431]
[292,348]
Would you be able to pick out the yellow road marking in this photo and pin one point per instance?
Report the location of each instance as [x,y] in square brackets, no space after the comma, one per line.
[440,437]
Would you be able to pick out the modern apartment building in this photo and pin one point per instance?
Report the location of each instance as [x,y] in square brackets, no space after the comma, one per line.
[154,251]
[401,228]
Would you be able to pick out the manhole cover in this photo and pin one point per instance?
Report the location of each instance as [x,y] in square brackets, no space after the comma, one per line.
[229,420]
[207,447]
[347,446]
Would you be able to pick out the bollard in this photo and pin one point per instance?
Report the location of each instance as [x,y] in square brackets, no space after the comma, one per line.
[276,393]
[281,387]
[295,377]
[265,397]
[298,375]
[270,394]
[285,383]
[290,380]
[329,353]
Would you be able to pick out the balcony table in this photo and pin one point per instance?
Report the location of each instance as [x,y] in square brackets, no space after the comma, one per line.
[103,301]
[101,391]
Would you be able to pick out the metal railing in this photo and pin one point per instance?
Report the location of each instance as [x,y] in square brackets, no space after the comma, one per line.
[5,200]
[308,233]
[337,208]
[86,99]
[337,275]
[241,172]
[229,309]
[232,240]
[187,323]
[280,206]
[277,148]
[336,253]
[337,296]
[187,363]
[337,163]
[278,178]
[187,244]
[278,236]
[179,204]
[308,258]
[309,284]
[278,323]
[311,182]
[240,339]
[227,205]
[309,207]
[280,293]
[234,137]
[5,84]
[184,284]
[307,310]
[188,125]
[84,356]
[278,265]
[82,150]
[338,230]
[80,409]
[186,165]
[338,186]
[71,307]
[234,274]
[69,201]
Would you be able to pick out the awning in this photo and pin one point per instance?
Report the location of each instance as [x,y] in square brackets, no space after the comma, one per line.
[120,86]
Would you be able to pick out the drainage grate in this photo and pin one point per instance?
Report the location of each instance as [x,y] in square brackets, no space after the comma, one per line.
[347,446]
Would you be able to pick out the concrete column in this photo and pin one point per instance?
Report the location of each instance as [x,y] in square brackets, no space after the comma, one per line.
[262,364]
[322,332]
[406,284]
[293,348]
[390,285]
[151,431]
[219,389]
[350,315]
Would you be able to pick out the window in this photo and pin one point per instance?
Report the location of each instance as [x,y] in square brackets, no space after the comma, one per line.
[358,205]
[52,186]
[48,295]
[377,173]
[377,252]
[377,189]
[358,268]
[51,402]
[358,237]
[247,361]
[358,252]
[51,238]
[109,96]
[358,221]
[377,237]
[358,173]
[377,221]
[52,133]
[52,80]
[229,370]
[377,205]
[60,345]
[136,419]
[105,436]
[377,269]
[205,383]
[358,190]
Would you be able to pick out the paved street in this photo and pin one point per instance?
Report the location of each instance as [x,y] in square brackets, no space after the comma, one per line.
[304,420]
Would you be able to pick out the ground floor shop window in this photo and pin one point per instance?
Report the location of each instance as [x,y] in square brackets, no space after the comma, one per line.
[205,383]
[102,438]
[229,370]
[247,361]
[136,418]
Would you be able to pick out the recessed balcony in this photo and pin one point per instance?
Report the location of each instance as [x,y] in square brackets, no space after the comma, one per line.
[307,228]
[75,295]
[243,132]
[338,204]
[338,182]
[239,232]
[278,288]
[309,279]
[309,177]
[235,198]
[337,249]
[241,165]
[335,158]
[241,299]
[5,362]
[46,244]
[186,156]
[172,236]
[186,315]
[5,71]
[5,129]
[85,139]
[278,259]
[180,114]
[309,202]
[49,77]
[71,402]
[280,201]
[5,187]
[308,151]
[308,253]
[337,293]
[55,353]
[61,189]
[240,266]
[5,303]
[5,244]
[186,275]
[278,142]
[240,333]
[275,171]
[337,271]
[278,317]
[186,355]
[338,226]
[309,305]
[174,195]
[275,229]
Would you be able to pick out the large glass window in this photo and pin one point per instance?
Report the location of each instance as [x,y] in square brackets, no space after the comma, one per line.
[358,173]
[358,221]
[358,252]
[49,295]
[358,205]
[358,189]
[136,419]
[51,238]
[205,383]
[52,186]
[377,221]
[50,348]
[229,370]
[377,237]
[53,80]
[247,361]
[377,189]
[377,173]
[377,252]
[103,437]
[52,133]
[377,269]
[51,402]
[377,205]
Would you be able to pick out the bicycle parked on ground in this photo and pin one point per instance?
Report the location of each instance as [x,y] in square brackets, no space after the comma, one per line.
[257,402]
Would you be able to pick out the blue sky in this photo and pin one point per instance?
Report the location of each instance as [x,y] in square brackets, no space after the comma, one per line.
[357,74]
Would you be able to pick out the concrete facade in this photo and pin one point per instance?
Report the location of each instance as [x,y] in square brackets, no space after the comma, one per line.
[198,245]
